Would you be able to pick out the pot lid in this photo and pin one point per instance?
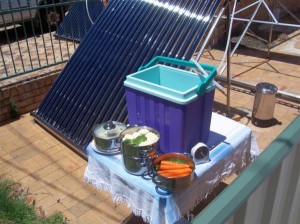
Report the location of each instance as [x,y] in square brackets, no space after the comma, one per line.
[109,130]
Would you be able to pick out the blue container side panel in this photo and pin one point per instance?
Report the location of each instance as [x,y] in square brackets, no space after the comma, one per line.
[180,126]
[208,108]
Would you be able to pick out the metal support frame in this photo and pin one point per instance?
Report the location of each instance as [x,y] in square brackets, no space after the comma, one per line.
[228,58]
[274,19]
[232,15]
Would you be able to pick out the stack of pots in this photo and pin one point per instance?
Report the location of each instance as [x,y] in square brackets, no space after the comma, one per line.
[137,159]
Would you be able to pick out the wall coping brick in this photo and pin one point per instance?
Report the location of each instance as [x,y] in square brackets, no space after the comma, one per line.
[28,92]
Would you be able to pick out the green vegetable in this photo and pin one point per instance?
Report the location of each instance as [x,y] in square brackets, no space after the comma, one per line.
[179,161]
[127,141]
[136,141]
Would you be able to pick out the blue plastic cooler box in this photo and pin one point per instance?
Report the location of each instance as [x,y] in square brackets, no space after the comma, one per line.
[175,102]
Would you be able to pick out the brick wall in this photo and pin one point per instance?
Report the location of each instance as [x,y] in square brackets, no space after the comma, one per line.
[28,94]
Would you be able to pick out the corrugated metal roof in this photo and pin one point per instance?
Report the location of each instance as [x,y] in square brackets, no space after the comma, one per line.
[126,35]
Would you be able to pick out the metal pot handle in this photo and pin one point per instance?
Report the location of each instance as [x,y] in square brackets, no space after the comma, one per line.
[141,161]
[188,154]
[156,181]
[162,191]
[144,151]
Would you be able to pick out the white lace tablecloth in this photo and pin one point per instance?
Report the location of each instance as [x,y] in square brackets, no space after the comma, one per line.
[232,146]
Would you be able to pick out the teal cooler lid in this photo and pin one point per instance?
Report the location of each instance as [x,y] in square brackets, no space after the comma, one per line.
[172,84]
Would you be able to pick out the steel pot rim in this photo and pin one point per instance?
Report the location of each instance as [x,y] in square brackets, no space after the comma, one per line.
[137,128]
[183,156]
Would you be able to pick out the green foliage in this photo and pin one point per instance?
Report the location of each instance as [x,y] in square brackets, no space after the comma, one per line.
[15,210]
[56,218]
[13,108]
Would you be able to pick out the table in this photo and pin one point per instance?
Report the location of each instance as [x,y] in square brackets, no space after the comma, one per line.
[232,145]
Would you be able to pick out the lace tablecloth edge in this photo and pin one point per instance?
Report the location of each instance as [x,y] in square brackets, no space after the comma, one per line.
[117,198]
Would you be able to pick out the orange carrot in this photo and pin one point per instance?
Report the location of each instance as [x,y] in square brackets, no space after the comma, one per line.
[172,167]
[175,175]
[175,171]
[165,162]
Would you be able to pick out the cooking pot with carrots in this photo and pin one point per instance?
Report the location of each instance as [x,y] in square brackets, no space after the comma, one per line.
[173,171]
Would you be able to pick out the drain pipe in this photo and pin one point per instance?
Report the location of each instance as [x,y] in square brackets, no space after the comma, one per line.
[252,87]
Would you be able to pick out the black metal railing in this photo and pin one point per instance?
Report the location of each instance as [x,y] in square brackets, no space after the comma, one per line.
[28,33]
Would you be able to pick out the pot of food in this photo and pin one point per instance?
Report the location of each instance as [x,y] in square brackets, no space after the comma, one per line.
[173,171]
[106,136]
[139,145]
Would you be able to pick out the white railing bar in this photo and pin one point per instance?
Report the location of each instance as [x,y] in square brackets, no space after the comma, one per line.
[248,6]
[270,12]
[268,22]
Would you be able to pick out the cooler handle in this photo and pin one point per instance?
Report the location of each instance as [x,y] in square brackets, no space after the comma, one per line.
[202,85]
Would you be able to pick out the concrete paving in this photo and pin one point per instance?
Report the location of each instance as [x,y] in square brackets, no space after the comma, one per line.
[53,174]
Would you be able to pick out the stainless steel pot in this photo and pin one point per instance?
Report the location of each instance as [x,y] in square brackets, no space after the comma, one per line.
[106,135]
[137,159]
[168,183]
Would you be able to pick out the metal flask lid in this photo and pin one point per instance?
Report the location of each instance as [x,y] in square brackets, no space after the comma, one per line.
[266,88]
